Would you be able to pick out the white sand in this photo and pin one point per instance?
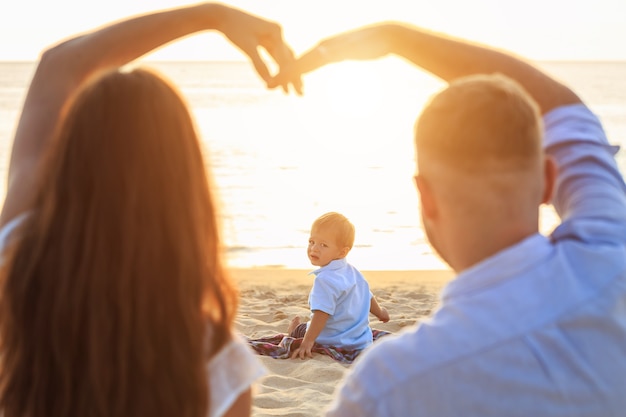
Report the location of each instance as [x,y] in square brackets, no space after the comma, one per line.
[271,297]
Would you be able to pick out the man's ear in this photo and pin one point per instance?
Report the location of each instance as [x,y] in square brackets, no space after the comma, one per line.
[427,198]
[550,172]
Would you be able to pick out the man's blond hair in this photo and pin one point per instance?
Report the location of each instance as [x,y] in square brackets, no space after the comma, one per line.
[481,123]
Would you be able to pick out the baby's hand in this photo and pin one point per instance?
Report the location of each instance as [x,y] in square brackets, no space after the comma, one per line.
[304,351]
[384,315]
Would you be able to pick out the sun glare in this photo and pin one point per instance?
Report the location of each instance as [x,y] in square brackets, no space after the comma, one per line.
[349,89]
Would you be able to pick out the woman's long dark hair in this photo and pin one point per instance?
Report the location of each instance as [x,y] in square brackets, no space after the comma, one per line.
[114,294]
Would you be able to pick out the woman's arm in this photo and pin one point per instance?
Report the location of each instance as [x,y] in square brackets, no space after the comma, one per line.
[242,405]
[64,68]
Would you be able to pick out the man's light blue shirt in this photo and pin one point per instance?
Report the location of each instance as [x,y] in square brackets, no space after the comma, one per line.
[539,329]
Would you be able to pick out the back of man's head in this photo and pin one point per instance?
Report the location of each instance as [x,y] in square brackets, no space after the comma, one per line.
[481,124]
[481,168]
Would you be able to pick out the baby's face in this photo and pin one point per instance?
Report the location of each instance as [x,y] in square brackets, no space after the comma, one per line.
[323,247]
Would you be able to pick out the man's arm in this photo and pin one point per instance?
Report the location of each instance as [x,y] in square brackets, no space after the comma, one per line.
[445,57]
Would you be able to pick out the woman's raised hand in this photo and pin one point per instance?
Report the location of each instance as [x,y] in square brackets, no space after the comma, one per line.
[248,32]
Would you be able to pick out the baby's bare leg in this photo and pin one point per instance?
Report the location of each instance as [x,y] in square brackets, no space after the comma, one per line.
[295,322]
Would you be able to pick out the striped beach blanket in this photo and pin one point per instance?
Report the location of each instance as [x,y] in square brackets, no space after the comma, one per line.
[281,346]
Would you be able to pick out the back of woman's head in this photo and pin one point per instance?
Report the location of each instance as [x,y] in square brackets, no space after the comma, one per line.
[115,294]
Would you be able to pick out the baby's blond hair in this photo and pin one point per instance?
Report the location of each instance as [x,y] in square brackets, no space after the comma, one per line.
[339,224]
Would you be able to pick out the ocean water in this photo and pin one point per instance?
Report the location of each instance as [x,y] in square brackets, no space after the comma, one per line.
[278,161]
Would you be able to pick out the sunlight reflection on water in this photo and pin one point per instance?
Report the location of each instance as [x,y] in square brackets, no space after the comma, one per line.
[279,161]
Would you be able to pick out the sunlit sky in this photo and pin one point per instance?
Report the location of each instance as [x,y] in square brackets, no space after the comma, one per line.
[537,29]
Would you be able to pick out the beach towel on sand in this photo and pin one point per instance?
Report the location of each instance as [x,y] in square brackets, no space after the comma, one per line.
[281,346]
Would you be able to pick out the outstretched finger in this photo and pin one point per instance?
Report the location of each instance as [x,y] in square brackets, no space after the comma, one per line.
[282,54]
[295,78]
[293,71]
[259,65]
[285,74]
[284,59]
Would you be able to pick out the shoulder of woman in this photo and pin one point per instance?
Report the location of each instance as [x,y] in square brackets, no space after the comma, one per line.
[232,371]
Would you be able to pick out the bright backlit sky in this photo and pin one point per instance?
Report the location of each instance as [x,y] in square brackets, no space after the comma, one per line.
[537,29]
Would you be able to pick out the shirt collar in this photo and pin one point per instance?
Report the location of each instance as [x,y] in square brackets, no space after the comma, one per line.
[504,265]
[332,266]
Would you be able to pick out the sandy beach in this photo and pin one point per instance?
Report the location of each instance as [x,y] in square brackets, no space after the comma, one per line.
[270,297]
